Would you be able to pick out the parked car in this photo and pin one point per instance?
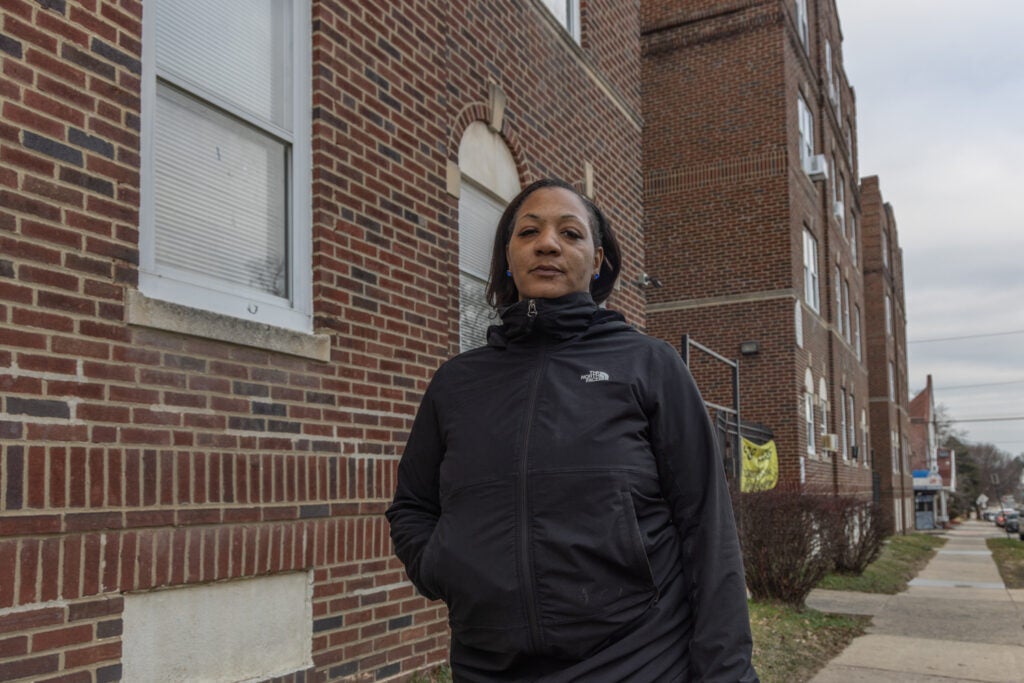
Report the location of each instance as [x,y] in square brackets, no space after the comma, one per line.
[989,515]
[1012,523]
[1004,514]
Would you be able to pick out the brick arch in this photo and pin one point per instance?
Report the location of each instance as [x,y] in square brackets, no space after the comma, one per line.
[478,111]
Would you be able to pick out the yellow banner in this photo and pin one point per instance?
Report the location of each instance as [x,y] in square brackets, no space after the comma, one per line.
[760,467]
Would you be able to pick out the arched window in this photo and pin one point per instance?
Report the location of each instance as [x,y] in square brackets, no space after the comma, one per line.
[488,182]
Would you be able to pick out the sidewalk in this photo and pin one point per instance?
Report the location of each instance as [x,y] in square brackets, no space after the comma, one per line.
[956,623]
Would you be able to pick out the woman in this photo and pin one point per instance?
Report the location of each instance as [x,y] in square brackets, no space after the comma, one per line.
[561,489]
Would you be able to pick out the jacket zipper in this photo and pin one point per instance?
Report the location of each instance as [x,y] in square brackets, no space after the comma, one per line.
[524,542]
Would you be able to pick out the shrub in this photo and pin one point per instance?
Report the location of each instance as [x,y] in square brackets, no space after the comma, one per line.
[859,530]
[787,548]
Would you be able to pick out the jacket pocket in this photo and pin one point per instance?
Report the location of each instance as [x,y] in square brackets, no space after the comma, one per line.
[471,562]
[593,576]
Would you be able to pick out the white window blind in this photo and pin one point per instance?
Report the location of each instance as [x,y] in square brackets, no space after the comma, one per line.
[220,197]
[478,217]
[237,51]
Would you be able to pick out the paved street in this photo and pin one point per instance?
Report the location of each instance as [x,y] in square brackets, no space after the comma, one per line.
[957,622]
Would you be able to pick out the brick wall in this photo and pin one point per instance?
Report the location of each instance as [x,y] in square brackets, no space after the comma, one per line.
[727,202]
[138,458]
[887,415]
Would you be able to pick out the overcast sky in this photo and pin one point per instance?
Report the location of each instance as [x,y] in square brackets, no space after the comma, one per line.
[940,116]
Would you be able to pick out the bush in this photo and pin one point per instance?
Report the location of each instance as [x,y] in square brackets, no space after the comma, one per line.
[786,541]
[859,530]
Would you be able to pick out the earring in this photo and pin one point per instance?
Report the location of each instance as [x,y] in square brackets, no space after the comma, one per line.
[597,275]
[508,273]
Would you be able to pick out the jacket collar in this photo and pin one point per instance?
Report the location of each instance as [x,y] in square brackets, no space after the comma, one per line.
[549,320]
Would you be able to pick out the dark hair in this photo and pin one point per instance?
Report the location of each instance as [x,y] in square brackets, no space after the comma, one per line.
[501,289]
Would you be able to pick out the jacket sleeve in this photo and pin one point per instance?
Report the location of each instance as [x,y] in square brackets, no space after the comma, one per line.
[414,512]
[693,481]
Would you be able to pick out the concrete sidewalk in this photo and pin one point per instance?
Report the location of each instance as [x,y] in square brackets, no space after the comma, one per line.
[956,622]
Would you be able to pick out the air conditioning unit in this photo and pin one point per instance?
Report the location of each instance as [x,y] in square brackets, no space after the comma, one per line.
[830,442]
[839,210]
[816,167]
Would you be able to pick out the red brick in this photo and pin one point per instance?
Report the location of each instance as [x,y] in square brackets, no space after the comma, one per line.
[26,668]
[12,647]
[110,651]
[61,638]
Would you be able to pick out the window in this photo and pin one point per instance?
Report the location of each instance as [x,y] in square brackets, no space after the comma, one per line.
[864,437]
[846,310]
[568,14]
[828,67]
[852,425]
[488,181]
[823,403]
[841,201]
[479,213]
[835,179]
[802,23]
[809,420]
[894,450]
[856,330]
[844,445]
[888,314]
[837,286]
[885,249]
[811,295]
[225,210]
[892,381]
[805,124]
[853,238]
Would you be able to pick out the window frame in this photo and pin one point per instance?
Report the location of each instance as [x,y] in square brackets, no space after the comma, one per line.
[812,295]
[844,447]
[294,311]
[838,288]
[809,421]
[805,129]
[852,425]
[803,23]
[846,312]
[572,17]
[856,331]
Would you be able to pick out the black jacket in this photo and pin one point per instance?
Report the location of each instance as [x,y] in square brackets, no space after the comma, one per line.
[561,491]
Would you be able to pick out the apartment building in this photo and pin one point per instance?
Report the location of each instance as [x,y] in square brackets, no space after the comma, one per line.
[237,240]
[753,221]
[886,321]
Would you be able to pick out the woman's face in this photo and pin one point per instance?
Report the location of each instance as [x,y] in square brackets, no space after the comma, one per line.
[551,252]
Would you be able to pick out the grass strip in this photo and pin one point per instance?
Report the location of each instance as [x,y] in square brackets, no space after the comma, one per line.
[901,559]
[1008,554]
[791,645]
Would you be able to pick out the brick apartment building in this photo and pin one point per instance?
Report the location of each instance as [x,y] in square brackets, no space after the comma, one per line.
[236,243]
[886,323]
[753,220]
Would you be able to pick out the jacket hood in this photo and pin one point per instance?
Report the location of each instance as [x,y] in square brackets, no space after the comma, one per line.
[553,320]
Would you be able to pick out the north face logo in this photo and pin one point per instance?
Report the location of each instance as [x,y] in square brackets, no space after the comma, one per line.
[594,376]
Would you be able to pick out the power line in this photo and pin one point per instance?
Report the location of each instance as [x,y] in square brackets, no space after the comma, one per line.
[967,336]
[987,419]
